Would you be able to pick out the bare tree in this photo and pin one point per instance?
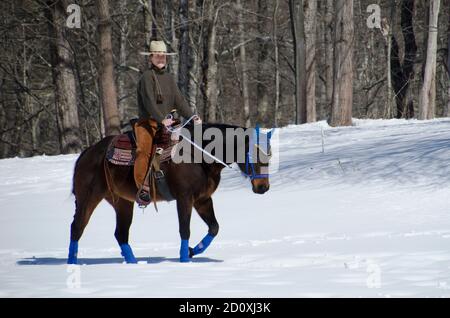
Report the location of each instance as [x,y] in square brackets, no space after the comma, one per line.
[170,13]
[277,63]
[244,66]
[183,69]
[210,60]
[149,24]
[329,48]
[298,36]
[263,69]
[195,40]
[123,109]
[387,26]
[341,108]
[105,69]
[63,79]
[448,61]
[427,101]
[403,73]
[310,8]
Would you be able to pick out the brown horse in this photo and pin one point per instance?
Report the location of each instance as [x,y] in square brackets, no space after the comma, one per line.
[191,184]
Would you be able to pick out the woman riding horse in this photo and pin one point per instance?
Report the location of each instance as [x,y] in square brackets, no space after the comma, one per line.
[191,184]
[158,94]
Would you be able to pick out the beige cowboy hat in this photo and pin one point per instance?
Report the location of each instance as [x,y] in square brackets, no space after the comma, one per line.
[157,47]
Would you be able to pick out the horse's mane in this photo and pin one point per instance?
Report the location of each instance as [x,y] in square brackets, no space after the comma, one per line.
[221,126]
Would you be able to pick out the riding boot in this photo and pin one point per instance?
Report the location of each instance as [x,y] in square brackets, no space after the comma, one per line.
[145,131]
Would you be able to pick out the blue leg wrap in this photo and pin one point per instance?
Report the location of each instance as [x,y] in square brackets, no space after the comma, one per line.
[203,245]
[73,252]
[127,253]
[184,251]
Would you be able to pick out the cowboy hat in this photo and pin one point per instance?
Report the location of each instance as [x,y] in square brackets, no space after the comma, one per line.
[157,47]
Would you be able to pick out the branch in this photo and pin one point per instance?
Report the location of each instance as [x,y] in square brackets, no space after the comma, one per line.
[27,91]
[237,46]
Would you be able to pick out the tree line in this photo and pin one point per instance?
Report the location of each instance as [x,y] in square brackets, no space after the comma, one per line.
[69,69]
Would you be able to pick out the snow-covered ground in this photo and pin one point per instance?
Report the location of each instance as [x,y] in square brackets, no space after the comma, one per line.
[368,217]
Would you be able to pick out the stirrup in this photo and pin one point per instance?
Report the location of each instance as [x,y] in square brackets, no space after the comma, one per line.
[141,200]
[158,174]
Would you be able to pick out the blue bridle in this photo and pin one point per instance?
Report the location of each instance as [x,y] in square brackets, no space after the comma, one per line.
[250,169]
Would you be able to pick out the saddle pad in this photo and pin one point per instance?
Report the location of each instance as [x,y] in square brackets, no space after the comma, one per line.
[122,149]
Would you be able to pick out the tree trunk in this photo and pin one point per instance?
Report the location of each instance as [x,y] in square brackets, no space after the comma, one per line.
[388,108]
[183,68]
[123,109]
[148,26]
[195,40]
[298,36]
[310,7]
[244,66]
[387,26]
[263,69]
[329,48]
[341,108]
[427,99]
[402,74]
[210,63]
[105,70]
[64,80]
[156,19]
[170,13]
[448,62]
[277,64]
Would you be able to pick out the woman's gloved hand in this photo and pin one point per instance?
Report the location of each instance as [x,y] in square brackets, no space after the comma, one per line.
[167,122]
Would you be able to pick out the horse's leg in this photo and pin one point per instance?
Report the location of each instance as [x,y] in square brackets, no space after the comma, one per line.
[206,211]
[84,207]
[124,217]
[184,207]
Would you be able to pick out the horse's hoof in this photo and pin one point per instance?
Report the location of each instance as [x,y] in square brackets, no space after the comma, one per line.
[127,254]
[73,253]
[184,260]
[131,261]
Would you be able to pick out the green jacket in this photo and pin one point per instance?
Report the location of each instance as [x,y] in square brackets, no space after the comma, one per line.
[158,98]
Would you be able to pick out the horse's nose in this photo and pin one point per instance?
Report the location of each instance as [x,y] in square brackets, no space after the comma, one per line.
[261,188]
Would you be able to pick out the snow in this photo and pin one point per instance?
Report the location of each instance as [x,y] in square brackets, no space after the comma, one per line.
[369,217]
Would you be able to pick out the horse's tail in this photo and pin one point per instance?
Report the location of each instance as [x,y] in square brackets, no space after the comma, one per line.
[90,163]
[75,170]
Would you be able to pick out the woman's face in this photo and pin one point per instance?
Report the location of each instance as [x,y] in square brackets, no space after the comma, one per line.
[159,60]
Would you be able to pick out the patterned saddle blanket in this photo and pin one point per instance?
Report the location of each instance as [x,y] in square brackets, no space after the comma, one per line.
[122,149]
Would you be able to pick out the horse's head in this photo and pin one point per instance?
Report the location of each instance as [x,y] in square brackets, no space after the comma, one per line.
[257,157]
